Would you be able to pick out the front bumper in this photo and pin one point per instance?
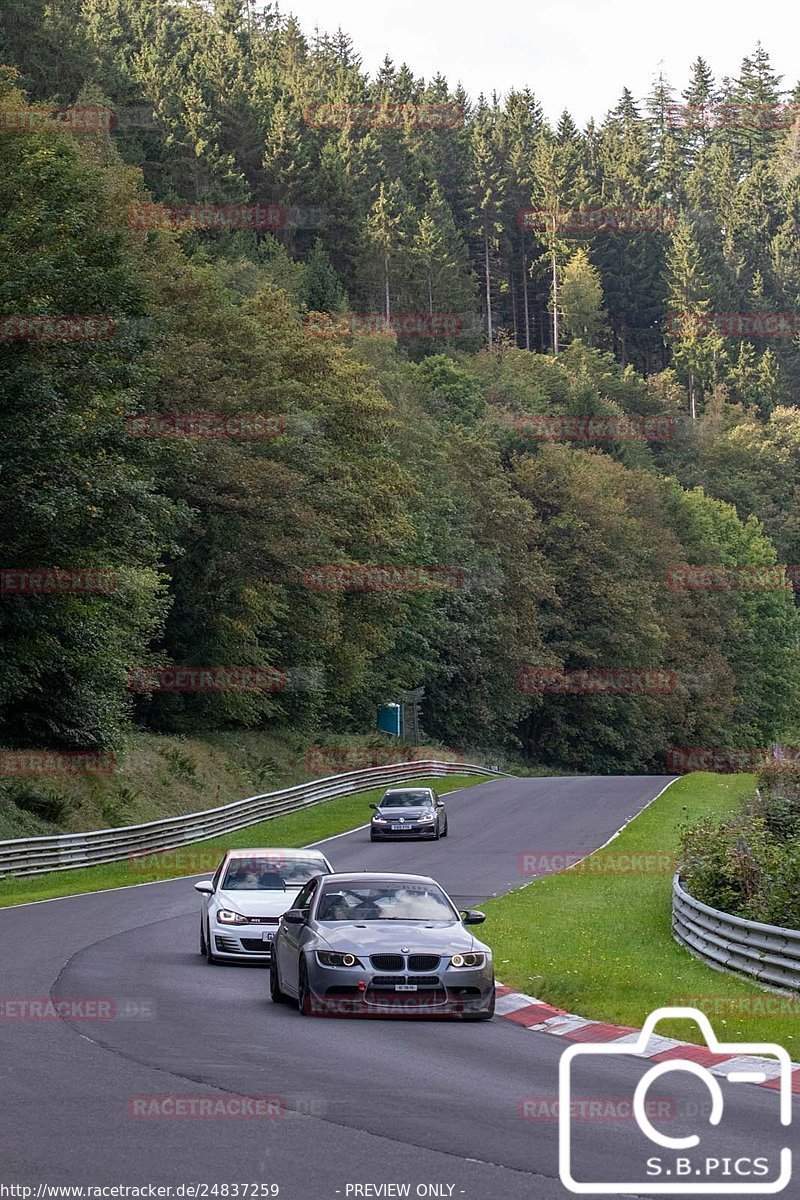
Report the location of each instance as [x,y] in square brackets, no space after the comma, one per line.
[242,942]
[416,830]
[365,991]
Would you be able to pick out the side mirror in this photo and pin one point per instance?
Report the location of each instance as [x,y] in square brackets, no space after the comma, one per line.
[373,804]
[473,917]
[205,886]
[440,803]
[294,916]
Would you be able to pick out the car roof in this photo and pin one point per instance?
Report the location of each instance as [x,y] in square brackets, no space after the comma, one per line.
[369,877]
[391,791]
[277,852]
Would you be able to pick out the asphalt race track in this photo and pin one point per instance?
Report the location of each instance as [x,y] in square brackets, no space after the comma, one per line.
[431,1104]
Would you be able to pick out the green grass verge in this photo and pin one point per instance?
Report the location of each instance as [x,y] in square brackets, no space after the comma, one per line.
[292,829]
[600,944]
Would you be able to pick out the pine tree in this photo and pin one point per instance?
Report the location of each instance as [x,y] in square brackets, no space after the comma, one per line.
[322,291]
[487,189]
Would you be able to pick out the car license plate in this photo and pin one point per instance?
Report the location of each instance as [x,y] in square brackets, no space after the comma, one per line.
[267,935]
[400,828]
[405,987]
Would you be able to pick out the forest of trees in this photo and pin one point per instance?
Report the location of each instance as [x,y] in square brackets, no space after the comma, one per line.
[403,452]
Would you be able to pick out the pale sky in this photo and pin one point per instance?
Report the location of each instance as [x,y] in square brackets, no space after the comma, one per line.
[576,54]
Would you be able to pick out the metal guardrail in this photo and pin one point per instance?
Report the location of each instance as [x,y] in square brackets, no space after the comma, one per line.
[67,851]
[767,953]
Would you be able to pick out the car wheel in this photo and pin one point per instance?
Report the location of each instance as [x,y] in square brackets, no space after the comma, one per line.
[303,989]
[446,830]
[485,1015]
[438,833]
[277,995]
[211,958]
[372,837]
[202,939]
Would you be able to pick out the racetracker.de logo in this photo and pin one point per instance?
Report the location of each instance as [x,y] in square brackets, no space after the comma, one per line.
[205,426]
[56,762]
[596,681]
[207,1108]
[50,581]
[727,115]
[86,119]
[587,428]
[734,325]
[714,577]
[386,116]
[207,216]
[603,862]
[207,679]
[594,1108]
[43,1008]
[607,219]
[415,324]
[723,760]
[357,758]
[56,329]
[336,578]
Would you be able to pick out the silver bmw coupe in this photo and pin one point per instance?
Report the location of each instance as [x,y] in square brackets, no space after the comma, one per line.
[381,944]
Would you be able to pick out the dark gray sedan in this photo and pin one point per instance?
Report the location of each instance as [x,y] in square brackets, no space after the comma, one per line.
[378,945]
[408,812]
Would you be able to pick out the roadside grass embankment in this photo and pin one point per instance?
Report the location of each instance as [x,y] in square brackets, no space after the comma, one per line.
[597,942]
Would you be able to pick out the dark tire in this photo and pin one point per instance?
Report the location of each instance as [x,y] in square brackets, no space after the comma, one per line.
[203,948]
[446,829]
[277,995]
[438,834]
[372,837]
[211,958]
[485,1015]
[303,990]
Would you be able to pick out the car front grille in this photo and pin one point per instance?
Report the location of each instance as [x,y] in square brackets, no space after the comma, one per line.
[256,944]
[399,962]
[388,962]
[423,962]
[420,981]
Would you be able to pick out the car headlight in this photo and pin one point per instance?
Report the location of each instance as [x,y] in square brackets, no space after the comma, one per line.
[428,817]
[226,917]
[468,960]
[330,958]
[381,820]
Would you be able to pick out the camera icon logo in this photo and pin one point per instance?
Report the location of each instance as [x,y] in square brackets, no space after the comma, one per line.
[677,1171]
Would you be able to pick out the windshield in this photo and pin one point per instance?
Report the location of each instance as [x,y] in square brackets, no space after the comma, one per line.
[389,902]
[407,800]
[265,874]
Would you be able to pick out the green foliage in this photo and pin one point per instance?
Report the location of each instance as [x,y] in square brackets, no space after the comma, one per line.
[391,451]
[749,864]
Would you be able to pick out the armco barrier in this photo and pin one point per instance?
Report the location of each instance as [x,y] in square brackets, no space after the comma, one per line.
[66,851]
[768,953]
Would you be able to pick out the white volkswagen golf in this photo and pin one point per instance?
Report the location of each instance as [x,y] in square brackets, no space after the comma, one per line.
[243,903]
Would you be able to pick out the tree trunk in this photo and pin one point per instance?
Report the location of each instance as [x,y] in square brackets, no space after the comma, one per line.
[692,397]
[488,284]
[386,282]
[525,295]
[430,294]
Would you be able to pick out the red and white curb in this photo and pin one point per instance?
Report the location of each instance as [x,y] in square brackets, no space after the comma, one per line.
[534,1014]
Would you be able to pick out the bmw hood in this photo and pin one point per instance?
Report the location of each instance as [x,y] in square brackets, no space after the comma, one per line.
[389,937]
[267,903]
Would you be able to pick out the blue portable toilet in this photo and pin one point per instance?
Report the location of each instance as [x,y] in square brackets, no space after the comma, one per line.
[390,719]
